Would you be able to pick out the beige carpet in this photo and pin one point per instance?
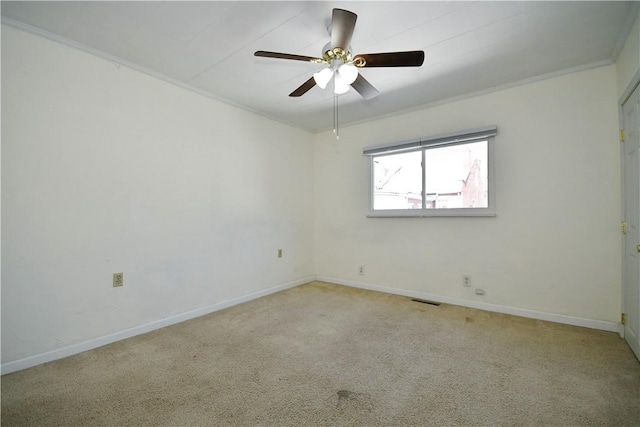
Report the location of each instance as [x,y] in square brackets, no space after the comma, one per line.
[323,354]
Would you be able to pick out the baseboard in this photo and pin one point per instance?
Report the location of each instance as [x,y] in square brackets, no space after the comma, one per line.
[522,312]
[29,362]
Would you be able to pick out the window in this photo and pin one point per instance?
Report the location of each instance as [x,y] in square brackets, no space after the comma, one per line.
[445,175]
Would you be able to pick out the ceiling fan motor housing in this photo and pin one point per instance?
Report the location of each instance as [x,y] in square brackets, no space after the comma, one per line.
[345,56]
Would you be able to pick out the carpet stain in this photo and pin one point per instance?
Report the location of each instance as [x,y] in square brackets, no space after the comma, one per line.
[353,400]
[468,319]
[346,395]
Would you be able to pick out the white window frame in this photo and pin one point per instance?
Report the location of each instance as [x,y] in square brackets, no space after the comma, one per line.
[423,144]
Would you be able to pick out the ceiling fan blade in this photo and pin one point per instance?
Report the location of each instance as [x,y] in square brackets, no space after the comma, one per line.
[304,88]
[413,58]
[343,23]
[364,88]
[279,55]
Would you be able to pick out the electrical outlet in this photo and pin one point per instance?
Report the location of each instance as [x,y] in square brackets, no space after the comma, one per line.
[361,271]
[279,253]
[466,281]
[118,279]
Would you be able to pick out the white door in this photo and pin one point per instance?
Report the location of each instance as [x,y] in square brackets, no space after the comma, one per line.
[631,185]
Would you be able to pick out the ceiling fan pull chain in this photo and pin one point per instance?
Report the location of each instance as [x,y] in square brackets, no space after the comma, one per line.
[335,109]
[336,117]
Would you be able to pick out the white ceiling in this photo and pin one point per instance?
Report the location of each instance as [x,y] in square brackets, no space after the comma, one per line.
[208,46]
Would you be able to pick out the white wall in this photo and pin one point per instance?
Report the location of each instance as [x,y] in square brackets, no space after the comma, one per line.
[628,62]
[106,170]
[554,246]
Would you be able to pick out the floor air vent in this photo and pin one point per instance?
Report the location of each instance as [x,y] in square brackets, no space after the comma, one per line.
[424,301]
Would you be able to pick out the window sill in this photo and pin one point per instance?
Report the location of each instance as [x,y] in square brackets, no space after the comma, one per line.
[419,213]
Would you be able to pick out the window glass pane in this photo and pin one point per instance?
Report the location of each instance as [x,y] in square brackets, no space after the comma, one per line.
[397,181]
[456,176]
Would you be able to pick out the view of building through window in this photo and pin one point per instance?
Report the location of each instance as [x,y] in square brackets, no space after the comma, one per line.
[455,176]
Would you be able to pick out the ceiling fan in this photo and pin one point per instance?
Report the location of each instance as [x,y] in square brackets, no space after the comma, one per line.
[342,65]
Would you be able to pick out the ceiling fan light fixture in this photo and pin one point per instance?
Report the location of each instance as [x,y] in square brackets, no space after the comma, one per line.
[348,73]
[323,77]
[340,86]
